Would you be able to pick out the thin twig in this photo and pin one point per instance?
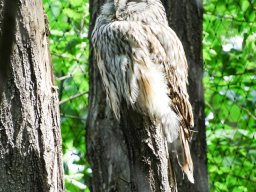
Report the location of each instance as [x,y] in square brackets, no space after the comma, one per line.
[64,77]
[72,97]
[62,56]
[68,76]
[248,112]
[73,117]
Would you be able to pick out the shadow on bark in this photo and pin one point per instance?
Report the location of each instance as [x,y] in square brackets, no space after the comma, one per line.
[7,37]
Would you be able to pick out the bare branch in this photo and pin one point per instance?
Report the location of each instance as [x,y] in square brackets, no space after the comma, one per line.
[72,117]
[72,97]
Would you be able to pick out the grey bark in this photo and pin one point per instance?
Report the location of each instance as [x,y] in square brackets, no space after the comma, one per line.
[185,18]
[30,140]
[131,155]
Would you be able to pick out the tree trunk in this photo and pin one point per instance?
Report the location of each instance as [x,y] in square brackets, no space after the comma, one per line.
[30,139]
[106,147]
[132,155]
[185,18]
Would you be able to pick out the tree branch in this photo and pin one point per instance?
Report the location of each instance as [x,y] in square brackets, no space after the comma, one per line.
[72,97]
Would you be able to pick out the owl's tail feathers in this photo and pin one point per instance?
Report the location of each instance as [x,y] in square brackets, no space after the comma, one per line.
[182,150]
[187,165]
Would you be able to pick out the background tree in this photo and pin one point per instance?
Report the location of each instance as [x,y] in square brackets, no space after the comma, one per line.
[30,140]
[120,161]
[229,70]
[185,18]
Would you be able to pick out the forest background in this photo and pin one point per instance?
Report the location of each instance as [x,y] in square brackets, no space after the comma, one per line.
[229,54]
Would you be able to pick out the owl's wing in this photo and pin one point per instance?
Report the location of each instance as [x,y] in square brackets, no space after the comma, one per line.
[124,63]
[176,71]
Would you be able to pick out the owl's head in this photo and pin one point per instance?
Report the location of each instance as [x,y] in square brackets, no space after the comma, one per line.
[121,4]
[134,10]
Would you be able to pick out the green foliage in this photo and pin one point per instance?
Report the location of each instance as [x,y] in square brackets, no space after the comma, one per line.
[68,23]
[230,93]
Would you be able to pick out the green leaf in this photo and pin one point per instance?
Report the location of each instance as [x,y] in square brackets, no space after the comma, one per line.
[71,13]
[77,2]
[235,113]
[244,5]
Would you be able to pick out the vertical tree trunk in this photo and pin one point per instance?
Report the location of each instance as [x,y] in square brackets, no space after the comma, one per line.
[132,156]
[106,147]
[185,18]
[105,142]
[30,140]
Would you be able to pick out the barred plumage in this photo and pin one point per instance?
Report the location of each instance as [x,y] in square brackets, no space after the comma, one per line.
[142,61]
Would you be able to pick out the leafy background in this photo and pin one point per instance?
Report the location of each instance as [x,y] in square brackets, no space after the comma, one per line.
[230,93]
[229,39]
[68,23]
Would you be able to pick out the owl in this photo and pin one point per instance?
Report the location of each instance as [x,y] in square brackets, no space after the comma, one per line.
[142,62]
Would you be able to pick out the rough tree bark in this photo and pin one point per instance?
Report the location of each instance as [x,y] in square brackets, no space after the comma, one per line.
[131,156]
[185,18]
[30,140]
[106,147]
